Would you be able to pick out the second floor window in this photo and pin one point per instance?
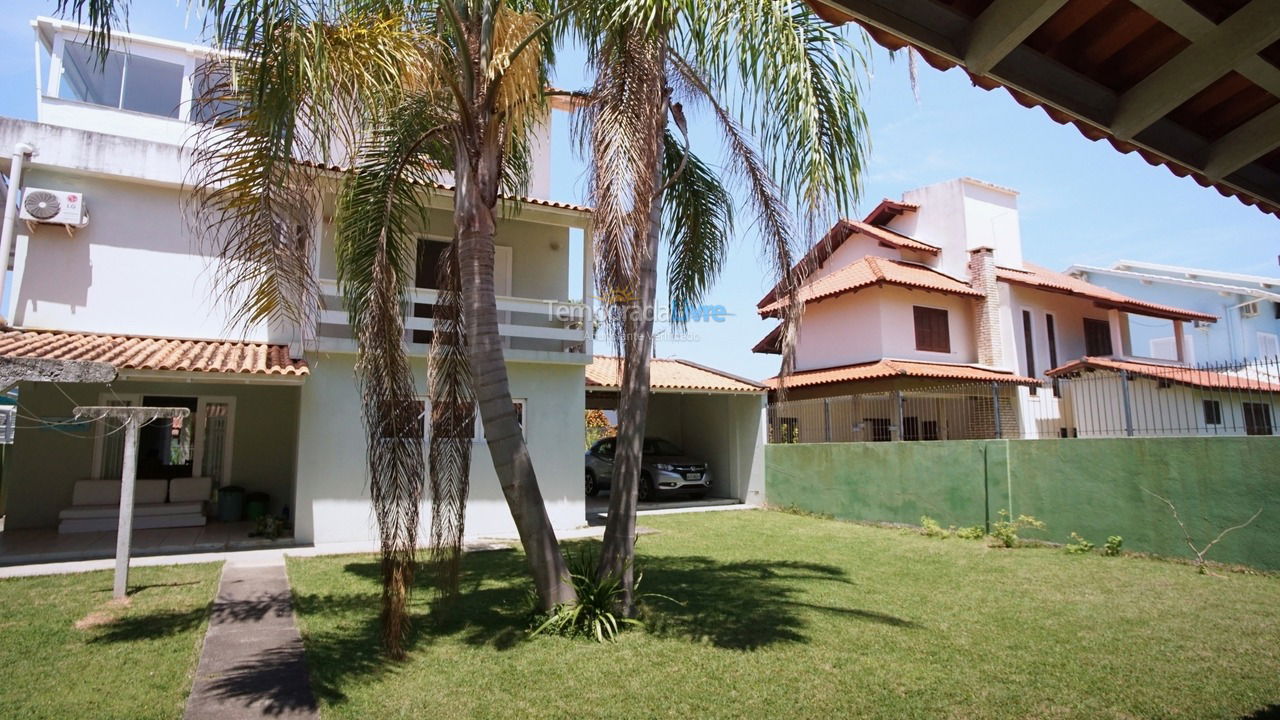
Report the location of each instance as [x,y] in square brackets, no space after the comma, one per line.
[1097,338]
[122,80]
[932,331]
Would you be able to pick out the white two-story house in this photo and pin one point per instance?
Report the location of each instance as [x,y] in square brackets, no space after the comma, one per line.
[1249,306]
[269,413]
[923,321]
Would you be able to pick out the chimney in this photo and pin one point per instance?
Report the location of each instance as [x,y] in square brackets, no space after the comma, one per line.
[982,276]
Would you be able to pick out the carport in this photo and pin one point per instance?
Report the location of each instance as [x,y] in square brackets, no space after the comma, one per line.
[712,415]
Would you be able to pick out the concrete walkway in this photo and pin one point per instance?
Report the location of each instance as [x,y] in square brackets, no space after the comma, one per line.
[252,664]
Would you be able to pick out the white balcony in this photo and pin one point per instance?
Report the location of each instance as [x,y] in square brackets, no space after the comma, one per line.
[532,329]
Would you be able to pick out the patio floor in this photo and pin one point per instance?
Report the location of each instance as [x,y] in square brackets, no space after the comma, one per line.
[37,545]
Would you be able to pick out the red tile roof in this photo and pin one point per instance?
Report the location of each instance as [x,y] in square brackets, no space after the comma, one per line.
[1040,278]
[871,271]
[889,368]
[670,374]
[843,230]
[1172,373]
[441,186]
[129,352]
[888,210]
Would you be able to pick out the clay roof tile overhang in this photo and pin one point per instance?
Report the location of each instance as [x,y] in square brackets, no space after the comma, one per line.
[670,374]
[890,368]
[1039,278]
[872,271]
[844,228]
[1177,374]
[1191,85]
[132,352]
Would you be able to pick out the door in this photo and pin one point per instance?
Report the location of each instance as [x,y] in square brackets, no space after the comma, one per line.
[1257,419]
[214,429]
[602,459]
[166,446]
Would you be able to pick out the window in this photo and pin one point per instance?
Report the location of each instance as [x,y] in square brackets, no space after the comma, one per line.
[1028,343]
[519,405]
[122,80]
[1268,345]
[1097,338]
[427,276]
[166,445]
[910,428]
[211,91]
[1250,310]
[1257,419]
[1053,351]
[879,429]
[929,430]
[409,422]
[606,448]
[1212,412]
[932,331]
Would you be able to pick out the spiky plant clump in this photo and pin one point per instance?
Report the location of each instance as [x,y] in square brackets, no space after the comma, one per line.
[597,613]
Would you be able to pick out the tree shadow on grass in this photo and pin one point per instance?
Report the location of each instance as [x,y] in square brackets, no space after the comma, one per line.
[740,606]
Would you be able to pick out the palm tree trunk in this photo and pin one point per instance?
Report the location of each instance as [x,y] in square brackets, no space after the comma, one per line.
[475,223]
[617,556]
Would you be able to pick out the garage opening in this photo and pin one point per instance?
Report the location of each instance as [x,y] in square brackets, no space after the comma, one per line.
[702,441]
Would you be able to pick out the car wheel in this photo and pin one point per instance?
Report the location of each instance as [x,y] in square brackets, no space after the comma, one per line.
[645,492]
[592,488]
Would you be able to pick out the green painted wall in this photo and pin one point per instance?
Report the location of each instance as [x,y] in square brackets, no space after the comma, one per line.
[1092,487]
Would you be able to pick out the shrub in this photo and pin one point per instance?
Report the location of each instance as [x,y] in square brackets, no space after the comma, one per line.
[1112,547]
[974,532]
[930,528]
[1006,530]
[1078,545]
[596,614]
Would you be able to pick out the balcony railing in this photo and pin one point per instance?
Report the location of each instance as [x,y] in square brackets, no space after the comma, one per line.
[530,327]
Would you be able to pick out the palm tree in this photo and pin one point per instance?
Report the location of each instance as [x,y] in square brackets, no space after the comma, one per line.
[783,90]
[402,92]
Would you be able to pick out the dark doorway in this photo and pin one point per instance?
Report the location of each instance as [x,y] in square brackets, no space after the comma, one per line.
[165,445]
[427,276]
[1257,419]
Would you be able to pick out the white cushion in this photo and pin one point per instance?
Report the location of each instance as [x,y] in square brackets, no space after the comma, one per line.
[141,510]
[194,489]
[146,492]
[96,492]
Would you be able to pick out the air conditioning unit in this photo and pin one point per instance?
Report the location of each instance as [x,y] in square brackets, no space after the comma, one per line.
[1250,310]
[55,207]
[1201,324]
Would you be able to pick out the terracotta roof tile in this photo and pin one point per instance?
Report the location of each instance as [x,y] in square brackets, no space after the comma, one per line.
[1173,373]
[1041,278]
[130,352]
[843,230]
[889,368]
[870,271]
[669,374]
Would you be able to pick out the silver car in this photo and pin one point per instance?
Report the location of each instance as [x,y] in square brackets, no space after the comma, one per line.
[665,470]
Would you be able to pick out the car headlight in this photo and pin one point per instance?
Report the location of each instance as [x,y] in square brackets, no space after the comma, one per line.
[663,466]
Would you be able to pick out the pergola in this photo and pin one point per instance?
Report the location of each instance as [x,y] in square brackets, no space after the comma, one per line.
[1190,84]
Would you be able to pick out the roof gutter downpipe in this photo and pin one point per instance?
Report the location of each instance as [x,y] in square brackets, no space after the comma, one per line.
[21,151]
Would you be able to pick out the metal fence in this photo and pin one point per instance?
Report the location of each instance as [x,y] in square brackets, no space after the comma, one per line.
[1135,399]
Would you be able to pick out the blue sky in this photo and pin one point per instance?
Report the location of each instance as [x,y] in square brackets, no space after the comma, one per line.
[1081,201]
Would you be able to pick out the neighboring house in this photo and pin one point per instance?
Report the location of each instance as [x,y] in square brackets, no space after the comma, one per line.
[132,288]
[923,321]
[1248,305]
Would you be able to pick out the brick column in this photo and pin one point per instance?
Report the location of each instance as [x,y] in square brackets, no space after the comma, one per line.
[982,276]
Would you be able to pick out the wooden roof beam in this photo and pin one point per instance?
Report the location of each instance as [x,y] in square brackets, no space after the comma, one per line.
[1243,145]
[1193,26]
[1001,28]
[1248,30]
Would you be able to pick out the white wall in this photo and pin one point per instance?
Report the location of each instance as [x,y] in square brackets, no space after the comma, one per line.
[133,269]
[332,487]
[840,331]
[898,329]
[960,215]
[723,430]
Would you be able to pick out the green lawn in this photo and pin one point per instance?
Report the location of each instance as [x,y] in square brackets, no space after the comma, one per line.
[790,616]
[125,662]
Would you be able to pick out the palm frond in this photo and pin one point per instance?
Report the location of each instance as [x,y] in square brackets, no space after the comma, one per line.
[452,424]
[697,224]
[381,208]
